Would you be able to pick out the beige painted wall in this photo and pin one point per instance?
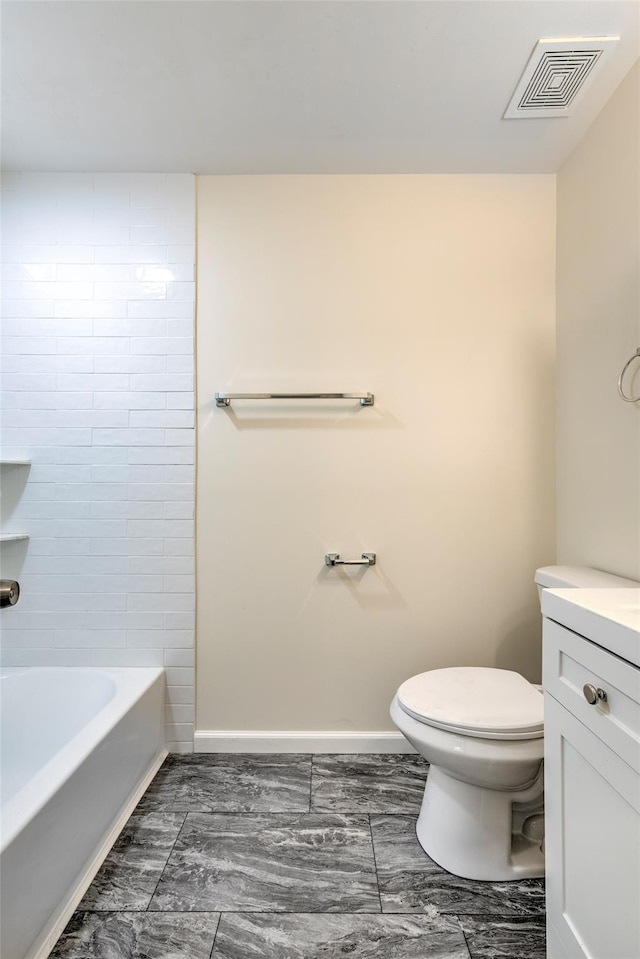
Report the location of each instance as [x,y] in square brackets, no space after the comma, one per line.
[598,330]
[437,294]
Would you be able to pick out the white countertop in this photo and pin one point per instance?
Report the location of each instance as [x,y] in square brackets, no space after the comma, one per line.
[608,617]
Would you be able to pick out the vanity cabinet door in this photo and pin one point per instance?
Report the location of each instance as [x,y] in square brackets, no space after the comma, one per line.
[592,812]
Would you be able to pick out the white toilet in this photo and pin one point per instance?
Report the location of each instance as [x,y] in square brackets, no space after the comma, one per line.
[481,729]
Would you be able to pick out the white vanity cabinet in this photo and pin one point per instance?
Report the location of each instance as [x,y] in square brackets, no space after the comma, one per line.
[591,652]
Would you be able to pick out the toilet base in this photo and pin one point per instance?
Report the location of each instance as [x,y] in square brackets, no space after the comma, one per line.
[468,830]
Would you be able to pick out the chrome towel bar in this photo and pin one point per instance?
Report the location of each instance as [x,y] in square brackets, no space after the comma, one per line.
[224,399]
[333,559]
[621,392]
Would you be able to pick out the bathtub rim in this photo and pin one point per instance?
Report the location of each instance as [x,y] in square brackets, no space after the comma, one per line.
[25,804]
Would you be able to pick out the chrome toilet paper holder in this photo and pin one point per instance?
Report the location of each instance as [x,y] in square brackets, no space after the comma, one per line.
[333,559]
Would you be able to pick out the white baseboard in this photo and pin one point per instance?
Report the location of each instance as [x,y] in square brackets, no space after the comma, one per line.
[55,927]
[275,741]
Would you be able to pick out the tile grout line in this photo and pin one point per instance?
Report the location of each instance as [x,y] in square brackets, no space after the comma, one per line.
[503,916]
[155,889]
[464,935]
[215,935]
[375,863]
[244,912]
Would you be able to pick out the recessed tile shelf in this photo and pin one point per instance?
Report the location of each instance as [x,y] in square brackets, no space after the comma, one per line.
[13,537]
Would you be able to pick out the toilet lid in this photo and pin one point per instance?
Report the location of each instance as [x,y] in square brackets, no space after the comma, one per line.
[475,701]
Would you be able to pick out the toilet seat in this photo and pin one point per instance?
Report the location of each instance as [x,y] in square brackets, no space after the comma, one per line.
[475,701]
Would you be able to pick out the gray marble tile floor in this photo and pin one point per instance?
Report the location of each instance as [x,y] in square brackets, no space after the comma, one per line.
[231,783]
[292,857]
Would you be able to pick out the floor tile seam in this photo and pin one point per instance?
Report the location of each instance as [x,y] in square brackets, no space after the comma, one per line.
[162,871]
[264,912]
[311,781]
[494,916]
[130,911]
[464,937]
[498,915]
[245,912]
[215,935]
[243,812]
[274,912]
[291,812]
[359,813]
[368,811]
[414,814]
[375,862]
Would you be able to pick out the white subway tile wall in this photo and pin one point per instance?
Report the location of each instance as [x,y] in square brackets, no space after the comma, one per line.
[97,391]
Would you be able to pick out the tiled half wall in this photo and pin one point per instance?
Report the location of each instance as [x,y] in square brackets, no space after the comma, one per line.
[97,353]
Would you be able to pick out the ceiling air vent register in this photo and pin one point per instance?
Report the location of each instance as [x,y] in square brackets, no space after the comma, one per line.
[557,76]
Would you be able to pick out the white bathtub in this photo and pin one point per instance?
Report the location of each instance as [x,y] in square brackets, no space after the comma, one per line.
[79,747]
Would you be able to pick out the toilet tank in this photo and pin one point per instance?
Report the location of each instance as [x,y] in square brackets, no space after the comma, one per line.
[568,577]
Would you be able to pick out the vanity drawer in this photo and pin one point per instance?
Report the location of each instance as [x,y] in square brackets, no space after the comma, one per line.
[571,662]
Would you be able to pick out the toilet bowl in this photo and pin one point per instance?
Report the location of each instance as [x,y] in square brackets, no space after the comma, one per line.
[481,730]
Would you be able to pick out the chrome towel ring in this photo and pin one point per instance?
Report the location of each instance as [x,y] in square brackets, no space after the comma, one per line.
[621,392]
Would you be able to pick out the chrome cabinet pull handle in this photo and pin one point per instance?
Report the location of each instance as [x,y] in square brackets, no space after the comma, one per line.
[593,694]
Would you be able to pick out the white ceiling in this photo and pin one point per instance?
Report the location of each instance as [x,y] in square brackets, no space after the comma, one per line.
[291,86]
